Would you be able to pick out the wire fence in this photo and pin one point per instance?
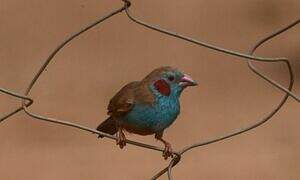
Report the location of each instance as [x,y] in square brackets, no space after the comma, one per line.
[249,58]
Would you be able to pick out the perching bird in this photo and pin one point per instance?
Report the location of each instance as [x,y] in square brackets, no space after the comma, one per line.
[148,106]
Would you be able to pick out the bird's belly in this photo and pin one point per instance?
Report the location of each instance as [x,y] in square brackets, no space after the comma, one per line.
[148,119]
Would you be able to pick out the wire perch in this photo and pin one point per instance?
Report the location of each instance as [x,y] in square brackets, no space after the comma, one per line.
[27,101]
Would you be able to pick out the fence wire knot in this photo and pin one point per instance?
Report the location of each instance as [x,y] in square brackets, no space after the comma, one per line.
[27,101]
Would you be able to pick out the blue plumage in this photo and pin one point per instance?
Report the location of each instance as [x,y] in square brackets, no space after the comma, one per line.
[148,106]
[154,118]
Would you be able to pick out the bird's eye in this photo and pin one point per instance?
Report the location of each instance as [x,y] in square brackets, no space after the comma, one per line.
[171,78]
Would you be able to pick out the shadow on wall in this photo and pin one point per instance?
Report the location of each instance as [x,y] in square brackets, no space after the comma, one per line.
[273,12]
[268,12]
[295,60]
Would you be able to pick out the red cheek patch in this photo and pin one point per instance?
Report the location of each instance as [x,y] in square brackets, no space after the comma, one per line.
[163,87]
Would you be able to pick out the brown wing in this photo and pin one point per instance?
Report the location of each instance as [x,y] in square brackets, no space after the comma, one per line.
[123,101]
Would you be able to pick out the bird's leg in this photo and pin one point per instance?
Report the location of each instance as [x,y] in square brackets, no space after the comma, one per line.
[121,139]
[168,149]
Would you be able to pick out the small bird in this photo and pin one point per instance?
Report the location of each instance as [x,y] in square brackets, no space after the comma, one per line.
[147,107]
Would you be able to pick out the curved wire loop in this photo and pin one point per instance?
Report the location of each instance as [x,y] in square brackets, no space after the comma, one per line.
[260,122]
[26,101]
[66,123]
[216,48]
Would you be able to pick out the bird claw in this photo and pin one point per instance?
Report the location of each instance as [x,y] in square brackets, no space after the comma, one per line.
[121,140]
[168,152]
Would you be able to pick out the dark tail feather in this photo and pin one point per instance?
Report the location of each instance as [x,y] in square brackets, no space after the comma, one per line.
[108,126]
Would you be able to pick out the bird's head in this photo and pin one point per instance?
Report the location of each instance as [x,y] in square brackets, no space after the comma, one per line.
[167,81]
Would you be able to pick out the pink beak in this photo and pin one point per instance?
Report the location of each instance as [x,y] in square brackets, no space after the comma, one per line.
[186,81]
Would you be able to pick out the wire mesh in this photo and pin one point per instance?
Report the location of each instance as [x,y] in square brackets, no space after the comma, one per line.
[27,101]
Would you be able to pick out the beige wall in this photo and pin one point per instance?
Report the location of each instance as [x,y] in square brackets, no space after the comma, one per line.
[83,77]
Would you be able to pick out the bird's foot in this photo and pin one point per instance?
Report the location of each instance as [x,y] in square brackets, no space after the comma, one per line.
[121,139]
[168,152]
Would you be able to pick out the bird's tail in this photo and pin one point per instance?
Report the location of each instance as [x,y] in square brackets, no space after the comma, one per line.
[108,126]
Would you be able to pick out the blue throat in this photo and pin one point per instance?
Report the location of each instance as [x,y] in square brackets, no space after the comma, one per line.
[155,118]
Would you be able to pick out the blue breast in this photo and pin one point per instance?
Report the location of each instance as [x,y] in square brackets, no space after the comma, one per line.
[154,118]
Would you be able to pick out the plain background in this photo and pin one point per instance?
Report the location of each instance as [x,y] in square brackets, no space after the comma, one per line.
[80,81]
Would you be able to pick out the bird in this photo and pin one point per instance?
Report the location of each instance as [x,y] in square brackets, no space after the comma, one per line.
[147,107]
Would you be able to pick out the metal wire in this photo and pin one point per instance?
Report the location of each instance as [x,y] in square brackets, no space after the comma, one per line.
[217,48]
[27,101]
[11,93]
[250,127]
